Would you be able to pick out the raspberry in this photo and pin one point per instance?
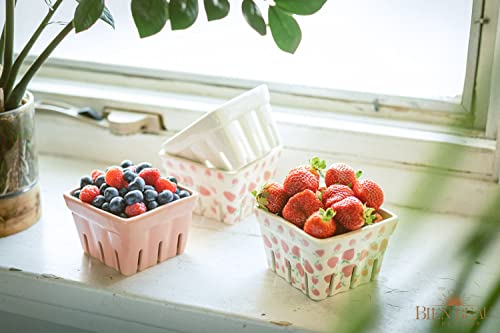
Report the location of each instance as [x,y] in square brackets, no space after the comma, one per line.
[150,175]
[163,184]
[88,193]
[114,177]
[96,173]
[135,209]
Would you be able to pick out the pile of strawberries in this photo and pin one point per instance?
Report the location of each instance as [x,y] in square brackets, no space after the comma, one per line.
[344,204]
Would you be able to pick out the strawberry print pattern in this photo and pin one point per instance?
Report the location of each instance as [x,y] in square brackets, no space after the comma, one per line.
[224,196]
[323,268]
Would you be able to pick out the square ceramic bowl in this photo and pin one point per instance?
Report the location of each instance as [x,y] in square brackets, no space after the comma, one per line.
[224,195]
[133,244]
[232,136]
[324,267]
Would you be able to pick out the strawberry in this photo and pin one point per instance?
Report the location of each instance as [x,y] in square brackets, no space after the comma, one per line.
[321,224]
[340,173]
[369,193]
[304,177]
[335,193]
[300,207]
[272,197]
[352,214]
[378,217]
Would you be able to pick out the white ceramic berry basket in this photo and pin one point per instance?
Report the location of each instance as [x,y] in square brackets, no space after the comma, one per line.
[325,267]
[234,135]
[224,195]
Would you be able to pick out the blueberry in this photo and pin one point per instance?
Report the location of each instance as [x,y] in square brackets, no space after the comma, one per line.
[110,193]
[172,179]
[137,184]
[123,215]
[184,194]
[117,205]
[165,197]
[122,191]
[150,195]
[103,187]
[178,190]
[142,165]
[133,197]
[105,207]
[129,175]
[100,180]
[151,205]
[176,197]
[76,194]
[98,201]
[149,187]
[84,181]
[126,163]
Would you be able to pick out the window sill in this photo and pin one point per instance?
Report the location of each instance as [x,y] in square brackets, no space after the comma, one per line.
[209,288]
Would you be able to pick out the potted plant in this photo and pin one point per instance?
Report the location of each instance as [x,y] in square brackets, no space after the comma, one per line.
[19,191]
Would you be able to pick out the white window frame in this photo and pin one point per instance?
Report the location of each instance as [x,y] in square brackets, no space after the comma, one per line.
[475,96]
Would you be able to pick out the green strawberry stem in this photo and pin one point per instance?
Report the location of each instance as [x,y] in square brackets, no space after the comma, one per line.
[368,215]
[327,215]
[318,164]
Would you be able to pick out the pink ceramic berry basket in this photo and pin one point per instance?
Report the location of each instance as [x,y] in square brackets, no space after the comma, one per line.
[224,195]
[133,244]
[325,267]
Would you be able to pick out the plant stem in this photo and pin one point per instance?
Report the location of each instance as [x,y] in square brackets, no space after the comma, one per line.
[2,46]
[8,53]
[15,97]
[24,53]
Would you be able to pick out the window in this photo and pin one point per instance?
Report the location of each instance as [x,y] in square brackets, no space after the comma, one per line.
[420,55]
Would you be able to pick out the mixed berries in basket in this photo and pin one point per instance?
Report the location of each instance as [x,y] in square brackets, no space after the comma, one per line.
[130,217]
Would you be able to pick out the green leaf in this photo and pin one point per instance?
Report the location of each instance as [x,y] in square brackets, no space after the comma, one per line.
[300,7]
[107,17]
[183,13]
[253,16]
[285,30]
[87,13]
[216,9]
[149,16]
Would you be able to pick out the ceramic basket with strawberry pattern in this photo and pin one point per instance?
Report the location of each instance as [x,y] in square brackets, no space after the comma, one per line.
[224,195]
[324,267]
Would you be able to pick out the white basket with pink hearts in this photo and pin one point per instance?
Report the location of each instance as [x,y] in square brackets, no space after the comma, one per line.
[324,267]
[224,195]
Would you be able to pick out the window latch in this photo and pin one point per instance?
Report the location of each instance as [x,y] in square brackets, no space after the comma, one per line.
[482,20]
[118,121]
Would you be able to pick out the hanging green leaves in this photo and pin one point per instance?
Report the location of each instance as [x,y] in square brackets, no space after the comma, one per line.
[216,9]
[87,13]
[149,16]
[285,29]
[300,7]
[253,16]
[183,13]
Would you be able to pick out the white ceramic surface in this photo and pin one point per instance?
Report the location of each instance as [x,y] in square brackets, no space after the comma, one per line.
[325,267]
[224,196]
[232,136]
